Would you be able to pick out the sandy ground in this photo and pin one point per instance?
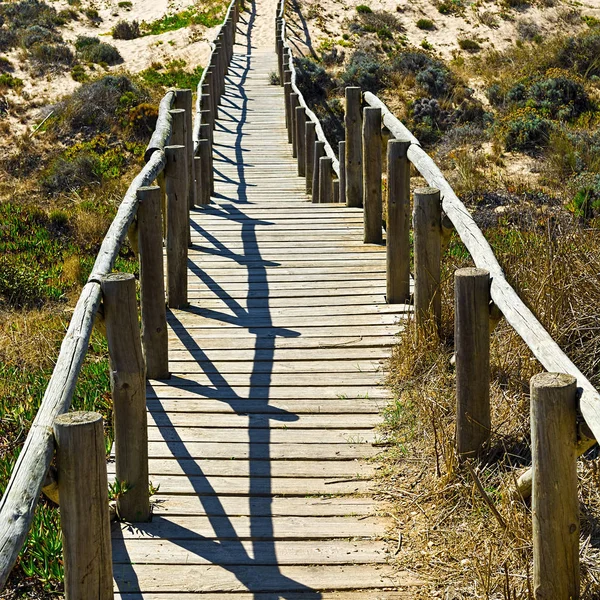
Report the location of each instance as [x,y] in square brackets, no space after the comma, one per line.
[319,21]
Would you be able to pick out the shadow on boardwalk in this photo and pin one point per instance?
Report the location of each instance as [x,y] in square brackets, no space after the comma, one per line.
[270,582]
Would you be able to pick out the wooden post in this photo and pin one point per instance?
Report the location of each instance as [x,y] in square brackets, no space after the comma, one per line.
[310,136]
[206,104]
[294,103]
[427,218]
[178,133]
[372,202]
[206,134]
[210,81]
[318,153]
[353,126]
[287,92]
[177,226]
[398,223]
[183,100]
[84,516]
[336,190]
[342,159]
[325,179]
[128,385]
[152,283]
[555,513]
[472,347]
[300,140]
[204,160]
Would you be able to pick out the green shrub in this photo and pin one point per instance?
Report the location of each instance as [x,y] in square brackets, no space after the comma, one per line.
[363,9]
[469,45]
[426,24]
[8,39]
[173,74]
[125,4]
[67,175]
[560,96]
[580,53]
[5,65]
[141,120]
[84,41]
[430,73]
[24,14]
[93,50]
[51,57]
[590,21]
[78,73]
[8,81]
[525,129]
[365,71]
[451,7]
[125,30]
[209,17]
[37,35]
[312,79]
[93,15]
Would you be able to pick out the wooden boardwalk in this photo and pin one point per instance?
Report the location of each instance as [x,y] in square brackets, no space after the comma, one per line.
[258,441]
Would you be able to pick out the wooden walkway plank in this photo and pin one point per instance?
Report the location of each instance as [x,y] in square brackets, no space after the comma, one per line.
[261,444]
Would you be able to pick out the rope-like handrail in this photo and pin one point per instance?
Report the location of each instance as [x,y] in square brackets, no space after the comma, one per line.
[516,313]
[320,134]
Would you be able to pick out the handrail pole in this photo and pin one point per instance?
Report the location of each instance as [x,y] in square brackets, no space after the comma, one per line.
[183,100]
[177,226]
[84,516]
[372,201]
[318,153]
[152,284]
[179,138]
[128,385]
[353,128]
[342,178]
[472,346]
[210,81]
[301,140]
[325,180]
[555,504]
[203,167]
[206,104]
[294,103]
[287,91]
[206,134]
[309,160]
[427,218]
[398,223]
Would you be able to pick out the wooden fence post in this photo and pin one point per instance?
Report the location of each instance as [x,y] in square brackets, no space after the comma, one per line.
[204,166]
[287,93]
[318,153]
[206,134]
[177,226]
[84,516]
[325,179]
[336,190]
[373,210]
[555,504]
[128,385]
[210,81]
[294,104]
[398,223]
[152,283]
[183,100]
[353,126]
[472,347]
[206,104]
[300,140]
[342,181]
[310,136]
[427,218]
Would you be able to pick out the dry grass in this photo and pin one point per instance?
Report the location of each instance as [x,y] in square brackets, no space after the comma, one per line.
[460,526]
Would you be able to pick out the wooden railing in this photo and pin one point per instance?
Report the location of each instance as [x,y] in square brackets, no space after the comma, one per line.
[174,158]
[482,297]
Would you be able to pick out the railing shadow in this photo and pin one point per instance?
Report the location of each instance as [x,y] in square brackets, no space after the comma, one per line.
[228,550]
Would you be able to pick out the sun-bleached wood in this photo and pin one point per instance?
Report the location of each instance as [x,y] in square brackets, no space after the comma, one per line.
[128,385]
[206,134]
[85,520]
[152,286]
[555,504]
[177,226]
[309,159]
[198,180]
[294,104]
[472,343]
[204,152]
[354,149]
[287,93]
[371,143]
[318,154]
[398,223]
[427,218]
[342,178]
[162,132]
[325,180]
[183,100]
[300,119]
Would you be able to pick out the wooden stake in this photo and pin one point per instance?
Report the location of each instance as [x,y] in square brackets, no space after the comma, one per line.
[555,504]
[427,218]
[318,153]
[206,134]
[342,159]
[325,179]
[183,100]
[398,223]
[204,159]
[336,191]
[300,140]
[372,202]
[152,283]
[128,385]
[294,103]
[84,517]
[472,344]
[353,126]
[310,137]
[177,226]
